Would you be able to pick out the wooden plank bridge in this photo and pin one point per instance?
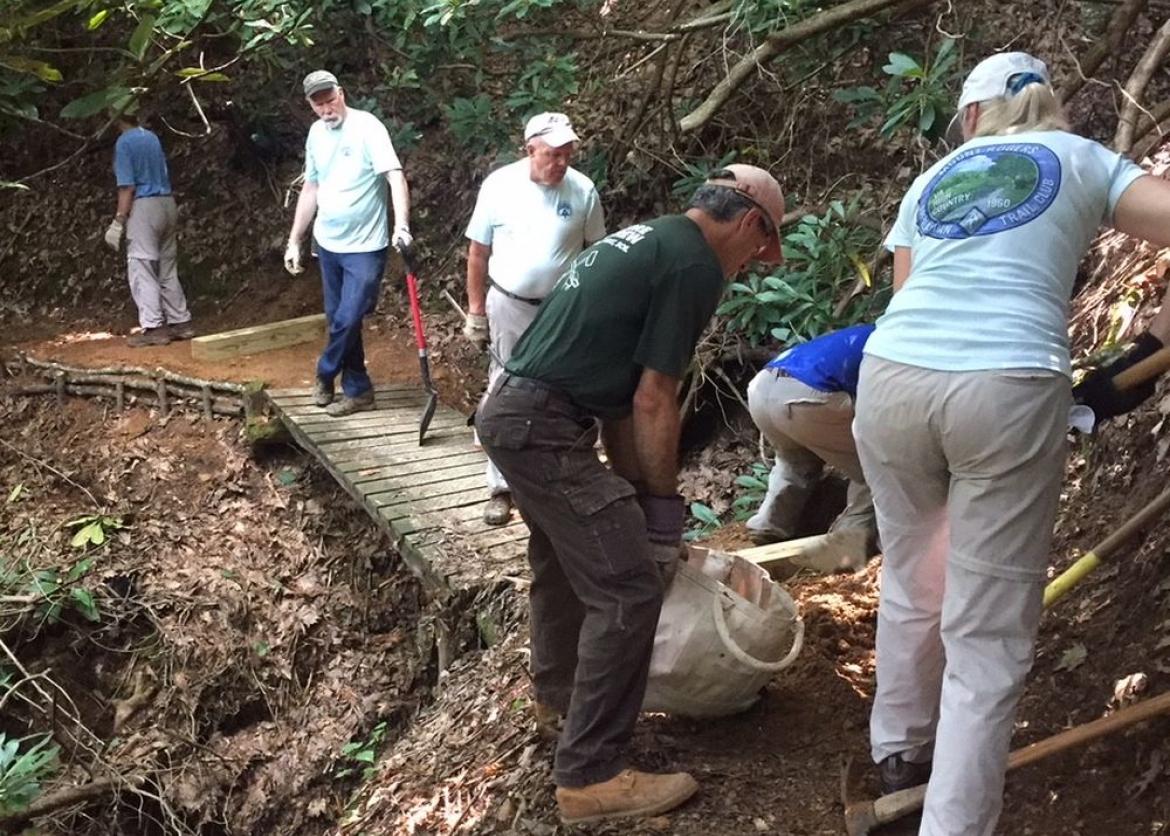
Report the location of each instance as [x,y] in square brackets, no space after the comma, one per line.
[429,498]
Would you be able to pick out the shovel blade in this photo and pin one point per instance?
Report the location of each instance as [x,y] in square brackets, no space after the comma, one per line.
[428,414]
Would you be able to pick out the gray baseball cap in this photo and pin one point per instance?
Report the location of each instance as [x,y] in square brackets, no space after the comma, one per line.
[319,80]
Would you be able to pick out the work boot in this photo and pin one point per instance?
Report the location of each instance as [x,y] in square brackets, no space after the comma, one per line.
[548,721]
[767,536]
[322,392]
[498,511]
[149,336]
[182,331]
[629,794]
[348,405]
[895,773]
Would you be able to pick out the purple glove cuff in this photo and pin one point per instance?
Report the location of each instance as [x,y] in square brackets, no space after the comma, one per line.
[665,516]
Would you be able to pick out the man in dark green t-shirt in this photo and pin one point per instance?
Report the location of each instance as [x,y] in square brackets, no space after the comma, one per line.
[612,341]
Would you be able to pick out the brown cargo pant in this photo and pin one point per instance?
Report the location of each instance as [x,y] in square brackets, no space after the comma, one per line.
[595,591]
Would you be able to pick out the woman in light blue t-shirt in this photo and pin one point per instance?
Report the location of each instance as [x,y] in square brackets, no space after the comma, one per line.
[961,421]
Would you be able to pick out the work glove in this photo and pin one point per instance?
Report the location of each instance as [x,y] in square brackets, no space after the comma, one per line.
[292,258]
[402,239]
[665,516]
[114,234]
[1097,391]
[475,330]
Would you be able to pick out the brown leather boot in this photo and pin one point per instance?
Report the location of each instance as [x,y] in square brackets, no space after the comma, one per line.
[548,721]
[629,794]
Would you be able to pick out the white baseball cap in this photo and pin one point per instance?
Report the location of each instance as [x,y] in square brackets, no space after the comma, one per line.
[1002,74]
[554,129]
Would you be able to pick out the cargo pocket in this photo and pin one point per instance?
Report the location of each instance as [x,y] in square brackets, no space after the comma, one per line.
[510,433]
[596,490]
[610,518]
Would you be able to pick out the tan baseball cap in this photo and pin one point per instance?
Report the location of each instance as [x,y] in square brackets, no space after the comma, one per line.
[762,189]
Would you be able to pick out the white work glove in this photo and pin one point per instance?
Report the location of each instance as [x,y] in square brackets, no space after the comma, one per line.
[402,239]
[114,234]
[475,330]
[292,258]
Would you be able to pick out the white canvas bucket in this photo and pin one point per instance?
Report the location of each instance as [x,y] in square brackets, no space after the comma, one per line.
[725,630]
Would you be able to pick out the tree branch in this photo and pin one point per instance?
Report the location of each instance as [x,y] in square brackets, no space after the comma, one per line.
[1119,24]
[777,42]
[1135,88]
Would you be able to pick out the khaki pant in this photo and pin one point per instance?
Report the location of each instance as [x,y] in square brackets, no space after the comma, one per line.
[152,264]
[508,319]
[596,592]
[808,429]
[965,469]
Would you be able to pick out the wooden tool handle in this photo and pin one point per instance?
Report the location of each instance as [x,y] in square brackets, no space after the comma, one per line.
[1143,370]
[892,807]
[1090,731]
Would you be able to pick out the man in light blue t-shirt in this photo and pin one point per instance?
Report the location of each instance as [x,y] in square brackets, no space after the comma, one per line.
[148,217]
[349,165]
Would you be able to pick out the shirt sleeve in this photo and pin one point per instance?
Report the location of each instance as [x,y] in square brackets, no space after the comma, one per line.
[902,233]
[681,304]
[381,150]
[594,219]
[1122,174]
[479,228]
[123,165]
[311,174]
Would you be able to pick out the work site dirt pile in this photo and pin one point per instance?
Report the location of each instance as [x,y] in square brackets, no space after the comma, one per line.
[238,626]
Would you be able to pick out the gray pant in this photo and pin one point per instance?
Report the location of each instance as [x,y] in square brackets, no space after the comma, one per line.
[808,429]
[152,263]
[508,319]
[966,470]
[595,592]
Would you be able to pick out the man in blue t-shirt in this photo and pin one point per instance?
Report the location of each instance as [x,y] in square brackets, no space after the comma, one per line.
[148,217]
[803,404]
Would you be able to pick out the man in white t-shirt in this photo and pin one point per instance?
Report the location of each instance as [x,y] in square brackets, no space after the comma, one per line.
[349,165]
[531,219]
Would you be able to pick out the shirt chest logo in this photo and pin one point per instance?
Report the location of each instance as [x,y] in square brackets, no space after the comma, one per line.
[564,210]
[989,189]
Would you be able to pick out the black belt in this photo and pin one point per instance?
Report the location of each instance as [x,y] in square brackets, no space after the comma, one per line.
[528,384]
[526,299]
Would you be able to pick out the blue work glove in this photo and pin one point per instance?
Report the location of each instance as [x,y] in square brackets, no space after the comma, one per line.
[665,516]
[1097,391]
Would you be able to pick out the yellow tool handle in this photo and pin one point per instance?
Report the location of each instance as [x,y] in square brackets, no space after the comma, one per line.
[1092,558]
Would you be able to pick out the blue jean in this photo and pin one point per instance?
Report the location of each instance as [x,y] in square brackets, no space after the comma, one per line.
[350,282]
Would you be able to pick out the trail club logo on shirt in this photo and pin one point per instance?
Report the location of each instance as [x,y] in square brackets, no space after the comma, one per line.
[989,189]
[571,279]
[623,239]
[564,210]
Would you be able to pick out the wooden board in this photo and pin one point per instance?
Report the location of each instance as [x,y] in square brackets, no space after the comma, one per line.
[253,340]
[429,499]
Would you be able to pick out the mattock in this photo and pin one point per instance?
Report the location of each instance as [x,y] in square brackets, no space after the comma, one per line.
[863,815]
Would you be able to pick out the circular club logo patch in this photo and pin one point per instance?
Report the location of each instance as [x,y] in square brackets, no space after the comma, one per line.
[989,189]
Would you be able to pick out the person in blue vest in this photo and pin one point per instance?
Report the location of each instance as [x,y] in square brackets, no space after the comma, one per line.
[802,402]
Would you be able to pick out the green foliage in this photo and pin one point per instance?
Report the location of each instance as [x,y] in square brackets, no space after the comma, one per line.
[823,255]
[917,95]
[694,173]
[362,754]
[474,125]
[545,84]
[755,488]
[761,16]
[706,521]
[23,769]
[92,529]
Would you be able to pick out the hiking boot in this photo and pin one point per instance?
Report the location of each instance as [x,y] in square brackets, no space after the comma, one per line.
[323,392]
[348,405]
[149,336]
[498,510]
[629,794]
[182,331]
[548,721]
[767,536]
[896,774]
